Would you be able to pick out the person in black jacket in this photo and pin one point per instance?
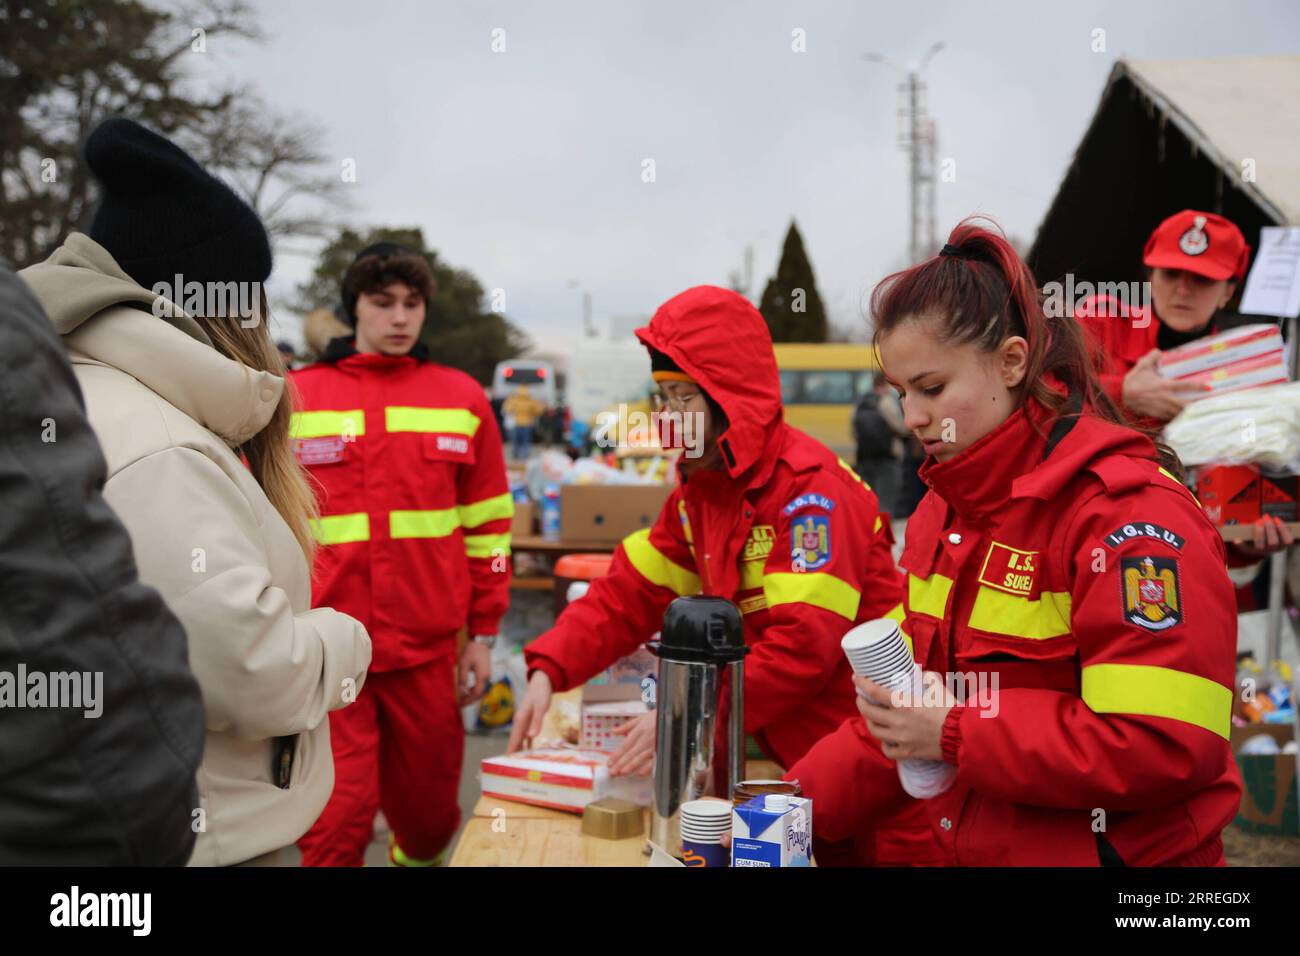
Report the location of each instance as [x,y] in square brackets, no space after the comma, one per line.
[878,433]
[101,721]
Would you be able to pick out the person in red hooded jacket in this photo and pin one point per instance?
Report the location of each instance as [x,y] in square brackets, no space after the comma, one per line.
[1066,596]
[766,517]
[414,536]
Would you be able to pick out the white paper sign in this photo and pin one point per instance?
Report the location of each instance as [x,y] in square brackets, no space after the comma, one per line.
[1273,286]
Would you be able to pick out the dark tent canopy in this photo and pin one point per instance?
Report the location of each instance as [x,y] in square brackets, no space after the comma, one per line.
[1220,134]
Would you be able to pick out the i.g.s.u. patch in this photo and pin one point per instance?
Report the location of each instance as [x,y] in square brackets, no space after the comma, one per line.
[1143,529]
[1150,591]
[810,542]
[810,501]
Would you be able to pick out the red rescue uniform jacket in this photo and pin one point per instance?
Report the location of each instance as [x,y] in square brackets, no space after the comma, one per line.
[1088,582]
[788,532]
[415,508]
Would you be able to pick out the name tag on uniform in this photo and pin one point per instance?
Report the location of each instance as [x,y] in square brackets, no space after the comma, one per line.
[453,443]
[319,451]
[761,540]
[1010,569]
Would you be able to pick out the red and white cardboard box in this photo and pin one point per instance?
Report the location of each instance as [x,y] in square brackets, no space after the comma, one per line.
[1215,351]
[559,779]
[1269,369]
[600,719]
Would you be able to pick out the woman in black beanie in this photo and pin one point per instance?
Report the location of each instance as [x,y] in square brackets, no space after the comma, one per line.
[191,407]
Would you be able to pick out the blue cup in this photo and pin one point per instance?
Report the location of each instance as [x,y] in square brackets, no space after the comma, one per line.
[705,854]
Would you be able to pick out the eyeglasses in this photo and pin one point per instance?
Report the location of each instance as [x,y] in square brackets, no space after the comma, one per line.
[675,402]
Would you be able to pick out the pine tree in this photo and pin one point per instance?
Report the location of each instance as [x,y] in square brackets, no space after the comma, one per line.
[790,302]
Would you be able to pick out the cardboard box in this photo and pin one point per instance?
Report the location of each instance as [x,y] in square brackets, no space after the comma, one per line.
[1278,495]
[1270,369]
[625,680]
[600,719]
[608,513]
[771,838]
[560,779]
[1216,351]
[1269,787]
[1229,494]
[524,522]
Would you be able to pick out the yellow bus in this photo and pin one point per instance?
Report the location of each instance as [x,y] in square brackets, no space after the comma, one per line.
[820,385]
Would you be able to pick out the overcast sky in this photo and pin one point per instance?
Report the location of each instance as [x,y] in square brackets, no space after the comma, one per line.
[525,166]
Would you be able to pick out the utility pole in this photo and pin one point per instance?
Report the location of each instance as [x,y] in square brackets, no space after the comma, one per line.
[917,136]
[588,330]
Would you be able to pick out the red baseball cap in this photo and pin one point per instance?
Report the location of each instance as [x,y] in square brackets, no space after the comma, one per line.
[1199,242]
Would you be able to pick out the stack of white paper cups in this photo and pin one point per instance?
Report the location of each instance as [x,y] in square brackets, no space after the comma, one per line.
[876,650]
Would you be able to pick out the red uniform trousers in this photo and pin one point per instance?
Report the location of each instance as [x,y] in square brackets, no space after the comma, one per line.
[397,747]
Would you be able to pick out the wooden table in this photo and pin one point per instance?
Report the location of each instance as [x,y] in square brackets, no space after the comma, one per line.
[536,544]
[505,833]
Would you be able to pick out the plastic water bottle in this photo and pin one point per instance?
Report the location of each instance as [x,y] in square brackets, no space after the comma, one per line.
[551,512]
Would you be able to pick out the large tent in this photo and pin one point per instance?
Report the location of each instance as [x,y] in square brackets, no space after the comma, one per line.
[1221,134]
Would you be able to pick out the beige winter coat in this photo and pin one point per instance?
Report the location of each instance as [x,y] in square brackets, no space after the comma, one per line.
[168,409]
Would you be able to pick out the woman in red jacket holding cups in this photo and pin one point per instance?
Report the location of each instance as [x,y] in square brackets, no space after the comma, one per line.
[1066,596]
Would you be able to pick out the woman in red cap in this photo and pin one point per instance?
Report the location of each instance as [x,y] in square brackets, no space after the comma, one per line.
[1195,259]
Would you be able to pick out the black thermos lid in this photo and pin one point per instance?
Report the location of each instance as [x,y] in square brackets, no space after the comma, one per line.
[701,629]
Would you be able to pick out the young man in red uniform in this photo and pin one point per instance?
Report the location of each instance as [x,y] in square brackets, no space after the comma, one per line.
[1056,556]
[415,537]
[768,518]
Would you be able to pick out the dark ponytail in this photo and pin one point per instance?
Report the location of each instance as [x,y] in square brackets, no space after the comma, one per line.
[981,292]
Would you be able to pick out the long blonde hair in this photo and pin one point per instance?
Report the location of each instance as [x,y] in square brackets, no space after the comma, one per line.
[270,457]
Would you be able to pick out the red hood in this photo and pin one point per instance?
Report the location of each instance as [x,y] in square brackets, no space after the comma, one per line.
[718,338]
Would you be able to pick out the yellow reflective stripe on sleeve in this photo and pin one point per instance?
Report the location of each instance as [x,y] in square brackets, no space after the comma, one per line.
[1168,474]
[879,522]
[341,529]
[928,595]
[489,509]
[751,575]
[998,612]
[1158,692]
[852,471]
[655,567]
[422,524]
[487,545]
[320,424]
[812,587]
[899,614]
[455,421]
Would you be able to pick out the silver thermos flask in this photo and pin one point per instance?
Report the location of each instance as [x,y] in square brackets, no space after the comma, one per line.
[700,636]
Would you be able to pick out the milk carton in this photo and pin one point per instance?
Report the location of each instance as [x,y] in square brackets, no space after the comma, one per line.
[772,830]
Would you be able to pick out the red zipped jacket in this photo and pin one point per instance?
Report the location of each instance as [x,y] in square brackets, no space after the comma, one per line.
[415,507]
[788,532]
[1057,556]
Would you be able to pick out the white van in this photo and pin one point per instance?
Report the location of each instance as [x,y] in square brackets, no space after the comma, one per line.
[538,376]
